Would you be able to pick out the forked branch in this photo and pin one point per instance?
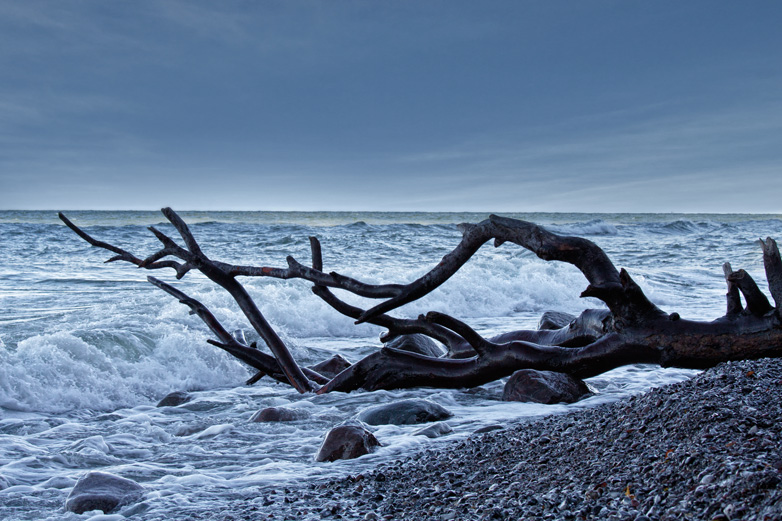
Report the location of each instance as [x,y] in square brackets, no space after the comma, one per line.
[632,330]
[217,272]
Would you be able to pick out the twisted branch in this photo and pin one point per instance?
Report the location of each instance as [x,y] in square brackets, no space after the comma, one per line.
[216,272]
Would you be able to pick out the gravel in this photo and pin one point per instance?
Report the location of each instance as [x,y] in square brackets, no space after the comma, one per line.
[707,448]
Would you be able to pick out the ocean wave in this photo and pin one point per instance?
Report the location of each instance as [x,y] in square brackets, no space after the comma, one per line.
[61,372]
[593,227]
[685,226]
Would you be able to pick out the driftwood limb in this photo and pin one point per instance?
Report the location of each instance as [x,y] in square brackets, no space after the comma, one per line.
[733,299]
[773,265]
[757,303]
[266,364]
[395,326]
[631,330]
[217,272]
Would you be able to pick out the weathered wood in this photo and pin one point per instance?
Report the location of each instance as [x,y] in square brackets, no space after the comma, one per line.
[757,303]
[733,297]
[395,326]
[217,272]
[631,330]
[266,364]
[773,265]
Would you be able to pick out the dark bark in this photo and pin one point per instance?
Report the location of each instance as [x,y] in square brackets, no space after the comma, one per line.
[631,330]
[773,265]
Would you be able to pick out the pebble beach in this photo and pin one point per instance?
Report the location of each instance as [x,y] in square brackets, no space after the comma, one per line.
[704,449]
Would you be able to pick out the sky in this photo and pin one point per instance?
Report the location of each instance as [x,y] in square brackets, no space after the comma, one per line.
[503,106]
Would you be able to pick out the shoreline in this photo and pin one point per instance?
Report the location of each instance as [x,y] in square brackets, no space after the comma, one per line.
[706,448]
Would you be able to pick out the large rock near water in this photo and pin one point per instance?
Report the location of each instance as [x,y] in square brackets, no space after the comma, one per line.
[331,367]
[174,399]
[417,343]
[555,320]
[346,442]
[529,385]
[102,491]
[404,412]
[278,414]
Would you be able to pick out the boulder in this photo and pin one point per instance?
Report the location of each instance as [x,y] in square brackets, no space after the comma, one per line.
[404,412]
[529,385]
[331,367]
[435,430]
[278,414]
[346,442]
[174,399]
[417,343]
[102,491]
[555,320]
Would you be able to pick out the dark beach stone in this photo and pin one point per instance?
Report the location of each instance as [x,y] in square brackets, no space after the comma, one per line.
[102,491]
[488,428]
[417,343]
[404,412]
[555,320]
[346,442]
[331,367]
[278,414]
[435,430]
[528,385]
[174,399]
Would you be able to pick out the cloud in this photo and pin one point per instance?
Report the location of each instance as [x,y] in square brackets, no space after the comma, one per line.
[399,106]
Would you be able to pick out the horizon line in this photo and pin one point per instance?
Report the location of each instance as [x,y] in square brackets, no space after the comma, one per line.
[395,211]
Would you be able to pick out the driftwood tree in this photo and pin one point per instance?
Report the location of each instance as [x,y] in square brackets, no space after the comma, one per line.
[631,330]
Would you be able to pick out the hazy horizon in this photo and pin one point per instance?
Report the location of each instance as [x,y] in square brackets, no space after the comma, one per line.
[54,211]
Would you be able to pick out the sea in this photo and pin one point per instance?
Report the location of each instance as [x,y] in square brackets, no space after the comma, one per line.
[87,348]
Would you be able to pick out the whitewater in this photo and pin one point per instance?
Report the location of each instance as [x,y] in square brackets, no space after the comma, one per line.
[87,349]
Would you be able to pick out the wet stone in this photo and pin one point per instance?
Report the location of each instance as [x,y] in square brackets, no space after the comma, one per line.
[488,428]
[529,385]
[346,442]
[331,367]
[417,343]
[278,414]
[102,491]
[555,320]
[174,399]
[404,412]
[435,430]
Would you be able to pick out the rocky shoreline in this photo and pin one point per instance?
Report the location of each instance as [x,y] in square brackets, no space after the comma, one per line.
[707,448]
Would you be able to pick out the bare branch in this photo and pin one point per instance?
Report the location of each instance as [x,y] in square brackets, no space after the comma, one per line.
[395,326]
[733,299]
[296,270]
[623,297]
[184,232]
[773,265]
[251,356]
[757,303]
[633,330]
[218,273]
[480,344]
[121,254]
